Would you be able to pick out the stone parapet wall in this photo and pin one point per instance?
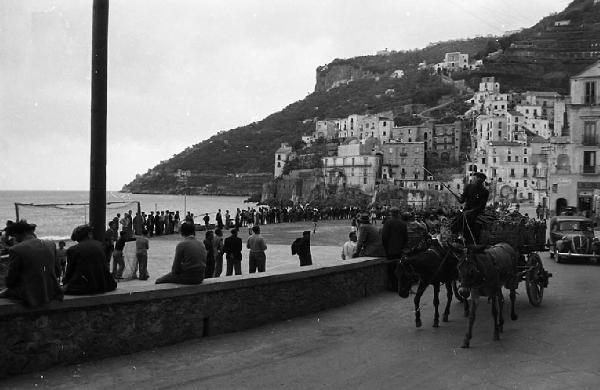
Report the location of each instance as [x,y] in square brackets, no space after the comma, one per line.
[144,317]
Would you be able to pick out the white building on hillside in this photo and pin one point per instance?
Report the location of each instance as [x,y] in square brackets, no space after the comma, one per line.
[282,155]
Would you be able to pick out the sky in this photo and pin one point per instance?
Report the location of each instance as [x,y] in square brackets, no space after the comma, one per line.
[179,71]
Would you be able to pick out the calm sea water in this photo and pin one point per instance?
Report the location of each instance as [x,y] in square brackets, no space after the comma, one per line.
[58,222]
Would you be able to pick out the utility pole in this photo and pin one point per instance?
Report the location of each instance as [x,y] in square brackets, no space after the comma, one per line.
[98,118]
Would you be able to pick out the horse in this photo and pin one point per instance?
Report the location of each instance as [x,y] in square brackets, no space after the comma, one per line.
[483,272]
[433,266]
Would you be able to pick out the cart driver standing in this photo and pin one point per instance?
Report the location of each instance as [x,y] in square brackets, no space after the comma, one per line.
[475,197]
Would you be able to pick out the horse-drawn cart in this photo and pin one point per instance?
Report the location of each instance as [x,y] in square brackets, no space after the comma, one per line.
[527,237]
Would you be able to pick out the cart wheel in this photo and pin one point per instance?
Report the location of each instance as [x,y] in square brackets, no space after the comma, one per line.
[534,279]
[460,298]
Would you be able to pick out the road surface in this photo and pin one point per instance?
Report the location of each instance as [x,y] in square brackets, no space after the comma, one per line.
[374,344]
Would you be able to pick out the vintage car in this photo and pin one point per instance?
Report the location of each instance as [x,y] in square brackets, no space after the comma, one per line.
[572,237]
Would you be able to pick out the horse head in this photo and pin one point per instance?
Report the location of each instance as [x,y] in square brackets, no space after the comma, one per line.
[406,276]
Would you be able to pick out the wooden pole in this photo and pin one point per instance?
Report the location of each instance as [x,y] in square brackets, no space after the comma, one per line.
[98,118]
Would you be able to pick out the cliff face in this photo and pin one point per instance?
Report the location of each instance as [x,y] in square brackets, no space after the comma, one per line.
[333,75]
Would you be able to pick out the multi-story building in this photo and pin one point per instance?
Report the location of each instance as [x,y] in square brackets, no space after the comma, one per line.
[403,163]
[488,100]
[327,129]
[282,155]
[351,168]
[445,141]
[574,171]
[454,61]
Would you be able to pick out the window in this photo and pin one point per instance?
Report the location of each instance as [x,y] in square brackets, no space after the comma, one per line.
[589,133]
[516,158]
[589,162]
[384,133]
[499,133]
[512,172]
[525,173]
[524,183]
[509,158]
[525,160]
[483,160]
[494,160]
[279,157]
[278,164]
[364,180]
[525,151]
[590,92]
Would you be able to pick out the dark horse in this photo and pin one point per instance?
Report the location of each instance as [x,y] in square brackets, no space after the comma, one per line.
[483,272]
[433,266]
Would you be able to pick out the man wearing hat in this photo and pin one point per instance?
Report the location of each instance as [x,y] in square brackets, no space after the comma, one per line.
[87,270]
[31,276]
[475,197]
[369,241]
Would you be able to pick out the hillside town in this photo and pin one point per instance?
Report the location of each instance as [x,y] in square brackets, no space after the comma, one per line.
[537,147]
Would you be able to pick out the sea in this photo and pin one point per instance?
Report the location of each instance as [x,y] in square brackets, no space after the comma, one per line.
[57,213]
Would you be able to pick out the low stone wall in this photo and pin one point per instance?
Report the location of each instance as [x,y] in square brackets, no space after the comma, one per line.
[125,321]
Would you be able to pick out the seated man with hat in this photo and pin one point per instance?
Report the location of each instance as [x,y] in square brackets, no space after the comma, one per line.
[475,197]
[32,277]
[87,270]
[369,240]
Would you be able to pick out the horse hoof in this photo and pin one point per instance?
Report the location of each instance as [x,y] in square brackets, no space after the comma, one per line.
[514,317]
[465,344]
[445,318]
[496,337]
[419,323]
[436,324]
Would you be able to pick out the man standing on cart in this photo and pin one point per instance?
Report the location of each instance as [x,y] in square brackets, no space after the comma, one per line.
[475,197]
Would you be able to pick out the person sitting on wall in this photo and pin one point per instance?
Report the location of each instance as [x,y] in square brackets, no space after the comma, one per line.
[32,269]
[190,259]
[87,270]
[369,239]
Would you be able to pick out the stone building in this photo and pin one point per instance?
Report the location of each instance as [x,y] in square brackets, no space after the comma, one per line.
[352,168]
[574,171]
[403,163]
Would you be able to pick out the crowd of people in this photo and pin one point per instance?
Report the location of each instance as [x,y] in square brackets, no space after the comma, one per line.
[39,272]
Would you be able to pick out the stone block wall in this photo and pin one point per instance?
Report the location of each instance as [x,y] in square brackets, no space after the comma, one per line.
[125,321]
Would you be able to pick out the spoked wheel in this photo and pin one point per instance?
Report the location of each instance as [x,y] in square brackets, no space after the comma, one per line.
[535,279]
[460,298]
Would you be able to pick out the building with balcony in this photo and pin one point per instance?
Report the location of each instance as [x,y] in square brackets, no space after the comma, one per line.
[351,168]
[402,163]
[574,170]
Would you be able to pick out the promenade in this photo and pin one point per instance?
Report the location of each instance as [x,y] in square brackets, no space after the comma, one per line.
[374,344]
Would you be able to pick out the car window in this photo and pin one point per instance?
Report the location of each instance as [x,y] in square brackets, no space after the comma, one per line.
[576,226]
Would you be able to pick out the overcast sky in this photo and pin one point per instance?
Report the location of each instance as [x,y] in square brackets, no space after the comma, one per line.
[181,70]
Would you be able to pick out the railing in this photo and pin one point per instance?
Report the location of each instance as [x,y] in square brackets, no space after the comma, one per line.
[589,141]
[589,169]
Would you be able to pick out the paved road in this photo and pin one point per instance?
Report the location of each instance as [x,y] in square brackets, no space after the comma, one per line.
[373,344]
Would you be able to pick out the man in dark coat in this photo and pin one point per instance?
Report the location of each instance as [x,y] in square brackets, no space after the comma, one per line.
[394,235]
[369,240]
[87,271]
[32,270]
[301,247]
[475,197]
[232,247]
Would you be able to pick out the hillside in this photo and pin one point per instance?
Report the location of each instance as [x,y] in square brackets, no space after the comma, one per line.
[546,55]
[250,149]
[542,57]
